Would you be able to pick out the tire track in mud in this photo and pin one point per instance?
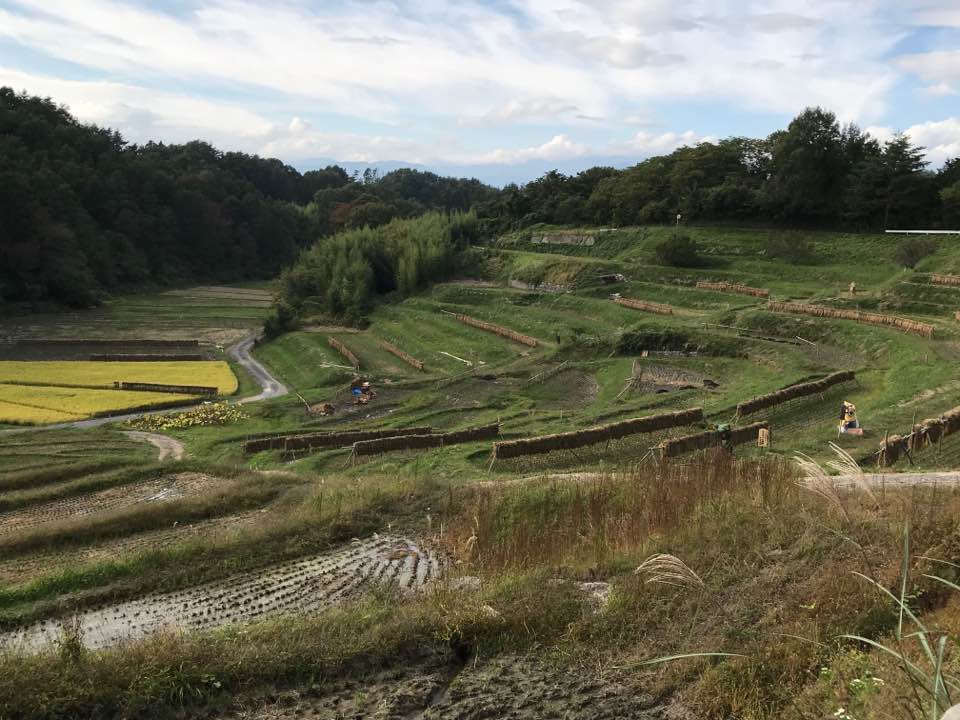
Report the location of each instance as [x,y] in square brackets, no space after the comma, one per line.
[304,585]
[171,487]
[522,687]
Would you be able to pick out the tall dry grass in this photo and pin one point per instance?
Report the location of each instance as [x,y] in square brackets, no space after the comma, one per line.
[593,517]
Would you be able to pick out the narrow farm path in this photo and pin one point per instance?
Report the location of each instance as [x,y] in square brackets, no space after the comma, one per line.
[895,480]
[167,446]
[270,387]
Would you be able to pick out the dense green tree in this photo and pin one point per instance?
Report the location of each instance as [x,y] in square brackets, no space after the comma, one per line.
[342,276]
[813,174]
[83,213]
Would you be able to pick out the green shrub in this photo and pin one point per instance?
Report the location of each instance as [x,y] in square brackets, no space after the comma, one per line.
[794,250]
[635,341]
[281,319]
[914,249]
[678,251]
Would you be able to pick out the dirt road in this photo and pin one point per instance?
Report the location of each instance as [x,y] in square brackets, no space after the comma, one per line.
[270,387]
[168,447]
[895,480]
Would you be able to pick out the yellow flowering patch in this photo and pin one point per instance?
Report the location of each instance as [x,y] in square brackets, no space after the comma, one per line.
[42,404]
[212,373]
[202,415]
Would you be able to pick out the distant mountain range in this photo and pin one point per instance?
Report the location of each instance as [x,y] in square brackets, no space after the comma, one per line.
[492,174]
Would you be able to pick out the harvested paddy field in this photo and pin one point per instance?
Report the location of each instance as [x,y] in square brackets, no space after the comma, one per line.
[212,314]
[25,568]
[305,585]
[162,489]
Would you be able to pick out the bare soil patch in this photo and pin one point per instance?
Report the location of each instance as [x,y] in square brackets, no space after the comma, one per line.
[167,447]
[522,687]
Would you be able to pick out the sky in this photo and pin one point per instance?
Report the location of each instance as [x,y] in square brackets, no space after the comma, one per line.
[502,89]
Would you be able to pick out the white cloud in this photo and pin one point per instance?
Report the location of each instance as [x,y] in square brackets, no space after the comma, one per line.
[939,68]
[470,59]
[560,147]
[939,90]
[426,68]
[935,13]
[645,143]
[298,125]
[940,138]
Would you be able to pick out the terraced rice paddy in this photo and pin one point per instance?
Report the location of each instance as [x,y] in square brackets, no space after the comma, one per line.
[210,313]
[44,404]
[69,508]
[305,585]
[24,568]
[213,373]
[54,391]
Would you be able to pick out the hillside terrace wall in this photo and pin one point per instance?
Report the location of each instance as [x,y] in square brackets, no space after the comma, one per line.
[592,436]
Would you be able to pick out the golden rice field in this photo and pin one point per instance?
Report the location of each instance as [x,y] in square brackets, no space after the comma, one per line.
[89,372]
[43,404]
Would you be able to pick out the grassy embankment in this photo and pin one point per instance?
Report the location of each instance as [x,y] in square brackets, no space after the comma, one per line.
[775,562]
[771,580]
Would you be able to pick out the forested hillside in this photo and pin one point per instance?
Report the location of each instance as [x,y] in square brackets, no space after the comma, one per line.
[83,213]
[814,174]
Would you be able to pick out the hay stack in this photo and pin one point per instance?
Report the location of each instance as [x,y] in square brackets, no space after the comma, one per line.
[422,442]
[498,330]
[304,441]
[939,279]
[794,391]
[897,323]
[409,359]
[659,308]
[709,439]
[345,351]
[733,288]
[592,436]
